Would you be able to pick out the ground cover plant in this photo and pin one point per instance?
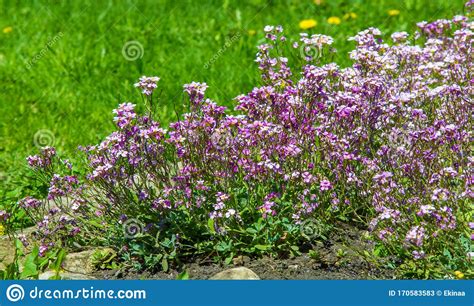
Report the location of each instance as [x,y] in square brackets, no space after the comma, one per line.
[54,87]
[384,143]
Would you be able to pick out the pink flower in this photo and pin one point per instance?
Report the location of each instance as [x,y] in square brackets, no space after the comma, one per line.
[4,215]
[325,185]
[416,235]
[147,84]
[383,177]
[418,254]
[267,209]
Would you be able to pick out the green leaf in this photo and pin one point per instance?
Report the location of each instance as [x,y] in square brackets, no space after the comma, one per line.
[210,225]
[262,247]
[222,246]
[228,260]
[164,265]
[447,254]
[183,275]
[251,230]
[295,248]
[343,218]
[19,248]
[96,224]
[30,269]
[56,266]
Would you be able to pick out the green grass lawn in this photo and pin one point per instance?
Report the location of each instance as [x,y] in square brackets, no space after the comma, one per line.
[62,67]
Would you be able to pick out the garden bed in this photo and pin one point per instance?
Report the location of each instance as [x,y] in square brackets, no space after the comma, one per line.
[328,265]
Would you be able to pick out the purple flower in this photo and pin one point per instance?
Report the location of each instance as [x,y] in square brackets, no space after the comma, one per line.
[147,84]
[143,195]
[267,209]
[230,212]
[43,160]
[75,231]
[4,215]
[399,36]
[43,249]
[325,185]
[23,240]
[123,218]
[307,177]
[124,115]
[196,92]
[29,202]
[383,177]
[418,254]
[416,235]
[426,209]
[34,161]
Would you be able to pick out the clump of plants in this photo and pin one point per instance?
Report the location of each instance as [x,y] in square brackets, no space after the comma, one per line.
[385,143]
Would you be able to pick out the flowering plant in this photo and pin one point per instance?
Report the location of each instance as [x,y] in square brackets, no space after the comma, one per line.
[386,142]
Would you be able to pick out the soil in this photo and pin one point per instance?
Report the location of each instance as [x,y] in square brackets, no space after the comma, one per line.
[338,259]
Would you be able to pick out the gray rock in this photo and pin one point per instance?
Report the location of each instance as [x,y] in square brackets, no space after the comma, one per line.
[6,252]
[82,262]
[293,267]
[238,261]
[75,264]
[7,247]
[240,273]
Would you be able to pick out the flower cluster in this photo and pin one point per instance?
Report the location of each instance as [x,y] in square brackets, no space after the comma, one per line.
[43,160]
[388,140]
[147,84]
[61,215]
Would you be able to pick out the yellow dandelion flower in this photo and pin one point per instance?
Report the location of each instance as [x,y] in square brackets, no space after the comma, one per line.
[7,30]
[318,2]
[252,32]
[334,20]
[350,15]
[393,12]
[460,275]
[2,230]
[308,24]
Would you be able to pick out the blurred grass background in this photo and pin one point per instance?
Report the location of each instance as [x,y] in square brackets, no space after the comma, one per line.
[62,67]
